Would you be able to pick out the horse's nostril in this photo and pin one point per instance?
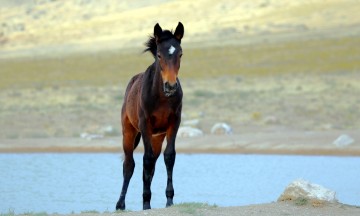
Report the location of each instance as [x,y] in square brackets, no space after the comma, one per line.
[173,86]
[169,89]
[168,86]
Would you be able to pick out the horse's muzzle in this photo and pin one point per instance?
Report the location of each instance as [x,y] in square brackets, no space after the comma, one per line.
[169,90]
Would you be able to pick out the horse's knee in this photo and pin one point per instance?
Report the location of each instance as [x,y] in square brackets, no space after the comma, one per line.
[149,161]
[129,161]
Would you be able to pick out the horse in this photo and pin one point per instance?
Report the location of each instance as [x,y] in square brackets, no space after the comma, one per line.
[152,110]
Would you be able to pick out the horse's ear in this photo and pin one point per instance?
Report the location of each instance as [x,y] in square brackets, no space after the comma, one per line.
[157,31]
[179,31]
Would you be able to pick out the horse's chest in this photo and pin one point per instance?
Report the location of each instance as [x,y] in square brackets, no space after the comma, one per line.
[160,120]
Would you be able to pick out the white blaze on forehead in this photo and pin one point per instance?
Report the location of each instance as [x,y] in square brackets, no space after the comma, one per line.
[171,50]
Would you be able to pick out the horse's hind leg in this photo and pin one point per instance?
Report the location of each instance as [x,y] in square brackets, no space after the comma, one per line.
[131,139]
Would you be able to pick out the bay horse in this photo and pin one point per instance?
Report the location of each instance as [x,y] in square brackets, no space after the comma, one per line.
[152,110]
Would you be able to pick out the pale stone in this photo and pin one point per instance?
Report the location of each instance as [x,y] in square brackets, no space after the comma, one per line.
[221,128]
[187,131]
[304,189]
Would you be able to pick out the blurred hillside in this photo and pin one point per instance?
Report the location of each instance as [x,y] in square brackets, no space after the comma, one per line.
[111,24]
[271,64]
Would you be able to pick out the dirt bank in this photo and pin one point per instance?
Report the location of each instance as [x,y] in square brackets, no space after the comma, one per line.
[270,209]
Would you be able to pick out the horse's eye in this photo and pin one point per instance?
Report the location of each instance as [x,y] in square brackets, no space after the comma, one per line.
[181,55]
[158,55]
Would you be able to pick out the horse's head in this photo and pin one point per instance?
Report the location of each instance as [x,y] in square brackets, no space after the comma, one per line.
[168,55]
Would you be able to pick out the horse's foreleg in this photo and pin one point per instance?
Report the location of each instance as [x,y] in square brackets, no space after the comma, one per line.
[169,158]
[149,161]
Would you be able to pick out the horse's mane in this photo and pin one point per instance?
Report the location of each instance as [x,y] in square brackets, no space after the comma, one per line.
[151,43]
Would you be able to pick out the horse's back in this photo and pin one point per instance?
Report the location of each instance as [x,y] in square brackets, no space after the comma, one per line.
[133,83]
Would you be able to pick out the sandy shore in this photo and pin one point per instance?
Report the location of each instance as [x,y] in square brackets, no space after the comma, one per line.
[270,209]
[279,142]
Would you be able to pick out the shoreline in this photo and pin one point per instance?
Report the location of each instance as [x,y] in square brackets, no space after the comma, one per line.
[269,143]
[310,207]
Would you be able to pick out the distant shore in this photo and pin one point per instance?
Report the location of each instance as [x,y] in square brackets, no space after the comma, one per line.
[291,143]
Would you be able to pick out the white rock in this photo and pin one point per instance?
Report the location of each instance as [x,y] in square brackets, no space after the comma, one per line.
[221,128]
[187,131]
[304,189]
[107,129]
[89,136]
[343,140]
[83,135]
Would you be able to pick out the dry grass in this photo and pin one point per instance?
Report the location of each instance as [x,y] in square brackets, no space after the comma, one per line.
[111,68]
[31,23]
[304,84]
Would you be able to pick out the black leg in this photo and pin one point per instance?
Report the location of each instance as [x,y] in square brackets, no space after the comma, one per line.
[128,170]
[169,158]
[149,161]
[130,139]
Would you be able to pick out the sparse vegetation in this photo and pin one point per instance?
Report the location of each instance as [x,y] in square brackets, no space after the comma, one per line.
[192,207]
[11,212]
[203,93]
[114,68]
[90,212]
[301,201]
[122,211]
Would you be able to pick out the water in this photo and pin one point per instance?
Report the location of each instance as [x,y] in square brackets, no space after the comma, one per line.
[65,183]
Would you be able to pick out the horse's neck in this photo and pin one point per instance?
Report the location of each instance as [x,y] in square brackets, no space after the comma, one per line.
[157,83]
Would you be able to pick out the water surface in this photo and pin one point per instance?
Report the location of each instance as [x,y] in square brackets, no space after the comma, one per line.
[65,183]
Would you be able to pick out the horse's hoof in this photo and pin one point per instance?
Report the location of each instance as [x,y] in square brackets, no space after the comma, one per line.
[146,206]
[169,203]
[120,206]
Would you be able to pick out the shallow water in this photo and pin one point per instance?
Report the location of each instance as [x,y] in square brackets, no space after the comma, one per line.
[65,183]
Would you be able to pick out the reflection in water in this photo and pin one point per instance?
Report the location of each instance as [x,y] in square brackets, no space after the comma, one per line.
[65,183]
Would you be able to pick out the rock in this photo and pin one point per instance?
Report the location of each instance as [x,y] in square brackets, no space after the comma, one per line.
[109,131]
[187,131]
[301,189]
[89,136]
[221,128]
[343,140]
